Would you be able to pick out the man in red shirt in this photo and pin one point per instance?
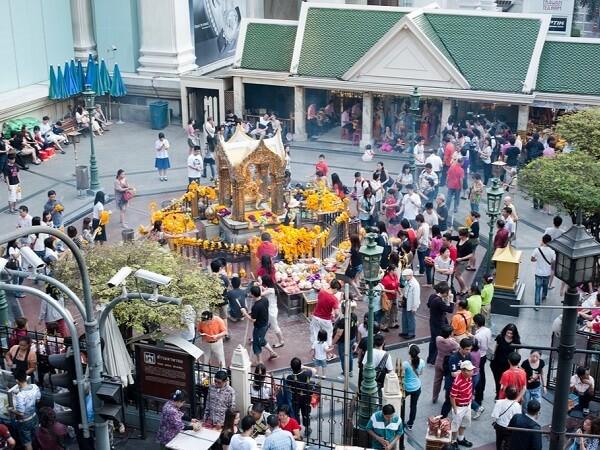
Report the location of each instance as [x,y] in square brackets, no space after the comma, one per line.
[449,150]
[461,395]
[326,309]
[502,235]
[322,166]
[447,241]
[454,181]
[515,377]
[266,247]
[288,423]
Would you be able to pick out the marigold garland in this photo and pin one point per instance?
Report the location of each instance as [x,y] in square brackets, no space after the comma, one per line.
[324,201]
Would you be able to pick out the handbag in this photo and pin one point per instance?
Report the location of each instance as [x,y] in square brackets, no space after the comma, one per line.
[491,352]
[128,195]
[386,303]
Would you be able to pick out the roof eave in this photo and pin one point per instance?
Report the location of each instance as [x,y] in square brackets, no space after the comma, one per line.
[534,62]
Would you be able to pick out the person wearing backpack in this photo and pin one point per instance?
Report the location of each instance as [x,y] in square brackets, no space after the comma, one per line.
[544,258]
[300,387]
[382,361]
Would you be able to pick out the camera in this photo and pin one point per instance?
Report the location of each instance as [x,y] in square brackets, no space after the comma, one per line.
[119,277]
[32,258]
[152,277]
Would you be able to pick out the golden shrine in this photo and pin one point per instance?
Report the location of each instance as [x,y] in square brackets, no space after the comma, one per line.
[251,174]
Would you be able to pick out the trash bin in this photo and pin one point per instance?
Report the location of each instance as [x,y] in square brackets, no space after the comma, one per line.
[82,178]
[159,114]
[128,234]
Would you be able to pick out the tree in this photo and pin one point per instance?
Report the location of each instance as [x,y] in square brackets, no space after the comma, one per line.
[195,287]
[592,5]
[570,181]
[581,130]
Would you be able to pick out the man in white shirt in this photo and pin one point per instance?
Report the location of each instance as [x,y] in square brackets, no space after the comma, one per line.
[379,353]
[359,185]
[412,292]
[410,205]
[484,339]
[24,220]
[436,162]
[210,130]
[194,164]
[555,230]
[509,223]
[544,258]
[582,385]
[56,139]
[503,412]
[430,216]
[419,151]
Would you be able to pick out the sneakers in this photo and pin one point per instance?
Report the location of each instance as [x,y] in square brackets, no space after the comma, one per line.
[477,414]
[464,443]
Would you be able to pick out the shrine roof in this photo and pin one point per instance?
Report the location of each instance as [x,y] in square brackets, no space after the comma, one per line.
[240,146]
[570,66]
[268,45]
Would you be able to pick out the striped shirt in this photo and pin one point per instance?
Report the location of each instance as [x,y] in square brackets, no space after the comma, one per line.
[388,431]
[462,390]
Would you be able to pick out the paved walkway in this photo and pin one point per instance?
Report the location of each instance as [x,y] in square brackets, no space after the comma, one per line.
[130,146]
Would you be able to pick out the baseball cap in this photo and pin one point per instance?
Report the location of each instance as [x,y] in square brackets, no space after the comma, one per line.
[466,365]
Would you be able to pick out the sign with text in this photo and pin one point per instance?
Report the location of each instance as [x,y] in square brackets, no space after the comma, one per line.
[162,370]
[561,11]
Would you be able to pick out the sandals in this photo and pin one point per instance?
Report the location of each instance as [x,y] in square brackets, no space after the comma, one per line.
[278,345]
[273,356]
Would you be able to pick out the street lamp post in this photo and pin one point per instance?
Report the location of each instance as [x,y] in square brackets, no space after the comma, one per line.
[89,97]
[415,107]
[494,199]
[371,255]
[576,258]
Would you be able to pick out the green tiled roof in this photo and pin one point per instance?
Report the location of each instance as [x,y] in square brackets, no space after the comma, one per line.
[569,67]
[423,23]
[478,46]
[268,47]
[334,39]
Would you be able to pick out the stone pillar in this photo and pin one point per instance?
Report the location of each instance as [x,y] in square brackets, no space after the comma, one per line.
[263,176]
[240,377]
[392,394]
[237,200]
[299,114]
[238,96]
[277,196]
[523,118]
[165,40]
[84,42]
[446,112]
[367,120]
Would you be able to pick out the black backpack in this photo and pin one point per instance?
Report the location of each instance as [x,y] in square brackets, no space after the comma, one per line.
[381,371]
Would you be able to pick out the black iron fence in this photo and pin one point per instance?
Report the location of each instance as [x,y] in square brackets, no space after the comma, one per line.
[583,341]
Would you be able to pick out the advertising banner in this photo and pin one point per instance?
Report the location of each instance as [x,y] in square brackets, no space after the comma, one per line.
[561,11]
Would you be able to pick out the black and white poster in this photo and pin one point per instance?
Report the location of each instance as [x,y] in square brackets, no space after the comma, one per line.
[216,25]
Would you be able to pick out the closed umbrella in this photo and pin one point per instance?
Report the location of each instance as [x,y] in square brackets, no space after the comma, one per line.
[70,88]
[80,76]
[117,362]
[117,88]
[61,92]
[75,75]
[92,72]
[104,78]
[52,88]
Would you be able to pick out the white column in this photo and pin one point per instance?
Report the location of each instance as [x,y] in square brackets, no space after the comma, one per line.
[166,43]
[238,97]
[523,117]
[392,394]
[299,114]
[367,120]
[240,377]
[255,9]
[185,107]
[84,42]
[446,112]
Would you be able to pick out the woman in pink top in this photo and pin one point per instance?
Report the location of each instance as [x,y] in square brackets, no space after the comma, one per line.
[549,151]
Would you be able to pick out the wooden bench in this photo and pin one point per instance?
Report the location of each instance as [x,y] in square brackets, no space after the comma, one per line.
[73,131]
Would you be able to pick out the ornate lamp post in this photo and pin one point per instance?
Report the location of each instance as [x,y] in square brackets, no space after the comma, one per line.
[576,261]
[89,97]
[415,103]
[371,255]
[494,199]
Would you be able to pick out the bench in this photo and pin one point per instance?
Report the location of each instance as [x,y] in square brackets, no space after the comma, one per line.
[73,131]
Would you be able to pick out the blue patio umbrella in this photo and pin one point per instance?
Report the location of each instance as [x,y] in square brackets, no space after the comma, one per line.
[75,75]
[92,72]
[117,88]
[70,87]
[60,85]
[80,75]
[52,88]
[104,77]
